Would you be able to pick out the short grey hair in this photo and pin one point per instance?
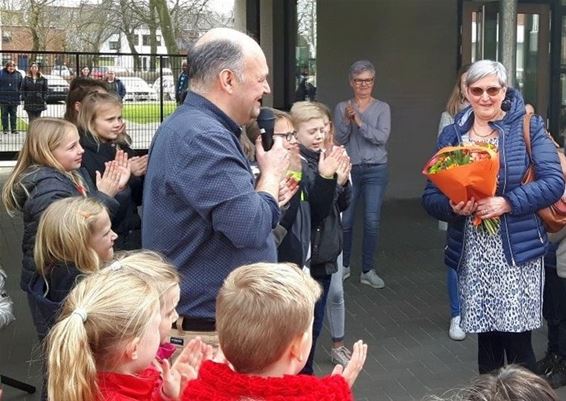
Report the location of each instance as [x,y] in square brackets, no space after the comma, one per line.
[483,68]
[360,66]
[210,58]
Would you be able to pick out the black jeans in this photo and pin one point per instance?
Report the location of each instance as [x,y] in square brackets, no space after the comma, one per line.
[9,111]
[494,346]
[554,311]
[33,114]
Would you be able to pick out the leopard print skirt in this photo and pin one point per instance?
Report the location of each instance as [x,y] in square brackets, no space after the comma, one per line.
[495,296]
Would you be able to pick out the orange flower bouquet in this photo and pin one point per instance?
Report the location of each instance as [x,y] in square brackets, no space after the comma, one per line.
[465,172]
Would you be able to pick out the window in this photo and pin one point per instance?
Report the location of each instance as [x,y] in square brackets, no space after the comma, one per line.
[146,40]
[114,45]
[6,37]
[305,73]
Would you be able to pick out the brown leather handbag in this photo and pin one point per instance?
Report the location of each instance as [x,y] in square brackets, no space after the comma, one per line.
[553,216]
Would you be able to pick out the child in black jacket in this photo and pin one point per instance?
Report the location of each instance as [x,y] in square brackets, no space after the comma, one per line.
[334,166]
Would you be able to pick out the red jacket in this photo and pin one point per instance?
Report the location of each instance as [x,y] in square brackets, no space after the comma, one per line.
[146,386]
[217,382]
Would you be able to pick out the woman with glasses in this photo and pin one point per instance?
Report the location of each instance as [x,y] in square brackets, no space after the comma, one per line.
[362,125]
[500,275]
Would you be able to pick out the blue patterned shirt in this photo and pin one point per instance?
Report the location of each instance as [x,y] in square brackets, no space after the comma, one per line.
[200,208]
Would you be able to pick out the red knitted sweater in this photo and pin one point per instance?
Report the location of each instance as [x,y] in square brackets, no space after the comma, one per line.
[220,383]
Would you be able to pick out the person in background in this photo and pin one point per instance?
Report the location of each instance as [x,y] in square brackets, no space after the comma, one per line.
[79,88]
[456,103]
[363,124]
[34,92]
[115,85]
[85,72]
[500,275]
[100,127]
[10,84]
[182,83]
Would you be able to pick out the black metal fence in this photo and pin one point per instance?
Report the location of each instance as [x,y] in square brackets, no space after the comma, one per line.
[149,79]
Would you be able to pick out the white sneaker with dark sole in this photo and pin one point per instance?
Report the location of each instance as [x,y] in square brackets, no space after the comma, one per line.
[372,279]
[346,273]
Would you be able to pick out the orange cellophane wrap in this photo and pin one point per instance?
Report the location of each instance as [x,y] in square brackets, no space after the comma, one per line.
[460,183]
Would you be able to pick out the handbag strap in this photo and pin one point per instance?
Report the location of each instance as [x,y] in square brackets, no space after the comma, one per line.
[527,135]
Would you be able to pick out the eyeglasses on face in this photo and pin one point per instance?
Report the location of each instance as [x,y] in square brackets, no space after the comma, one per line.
[289,136]
[361,82]
[491,91]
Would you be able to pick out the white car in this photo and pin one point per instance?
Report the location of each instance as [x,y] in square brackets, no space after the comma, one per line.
[137,89]
[57,88]
[168,87]
[61,70]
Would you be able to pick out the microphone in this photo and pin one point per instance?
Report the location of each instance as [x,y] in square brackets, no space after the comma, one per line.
[266,123]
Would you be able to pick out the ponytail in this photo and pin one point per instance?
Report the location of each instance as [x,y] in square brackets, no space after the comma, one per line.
[103,312]
[72,362]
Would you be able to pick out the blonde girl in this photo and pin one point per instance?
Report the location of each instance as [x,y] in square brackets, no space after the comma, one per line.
[106,338]
[47,169]
[335,307]
[73,239]
[101,129]
[155,269]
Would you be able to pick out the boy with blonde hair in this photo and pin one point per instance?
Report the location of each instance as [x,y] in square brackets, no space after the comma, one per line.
[264,317]
[332,164]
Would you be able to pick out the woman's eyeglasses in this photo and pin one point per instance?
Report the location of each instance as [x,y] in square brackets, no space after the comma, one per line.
[491,91]
[289,136]
[361,82]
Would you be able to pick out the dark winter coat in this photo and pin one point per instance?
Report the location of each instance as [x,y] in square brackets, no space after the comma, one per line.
[117,87]
[49,292]
[45,185]
[523,234]
[311,203]
[126,222]
[326,225]
[34,93]
[10,84]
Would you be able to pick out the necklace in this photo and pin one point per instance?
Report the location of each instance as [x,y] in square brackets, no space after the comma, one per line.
[482,136]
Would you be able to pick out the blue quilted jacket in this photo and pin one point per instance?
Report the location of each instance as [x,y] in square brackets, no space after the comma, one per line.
[523,234]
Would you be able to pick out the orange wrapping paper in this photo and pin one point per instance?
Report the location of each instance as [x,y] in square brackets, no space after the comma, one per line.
[460,183]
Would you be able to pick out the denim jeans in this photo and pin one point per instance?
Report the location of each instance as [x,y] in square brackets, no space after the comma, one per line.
[10,110]
[453,296]
[369,182]
[335,309]
[318,320]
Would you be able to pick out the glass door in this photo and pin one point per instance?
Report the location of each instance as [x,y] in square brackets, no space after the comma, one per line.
[480,40]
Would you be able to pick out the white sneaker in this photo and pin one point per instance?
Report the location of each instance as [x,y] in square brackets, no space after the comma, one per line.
[456,333]
[372,279]
[345,273]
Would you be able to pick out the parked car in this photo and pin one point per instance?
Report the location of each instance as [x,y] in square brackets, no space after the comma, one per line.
[100,72]
[57,88]
[168,87]
[61,70]
[137,89]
